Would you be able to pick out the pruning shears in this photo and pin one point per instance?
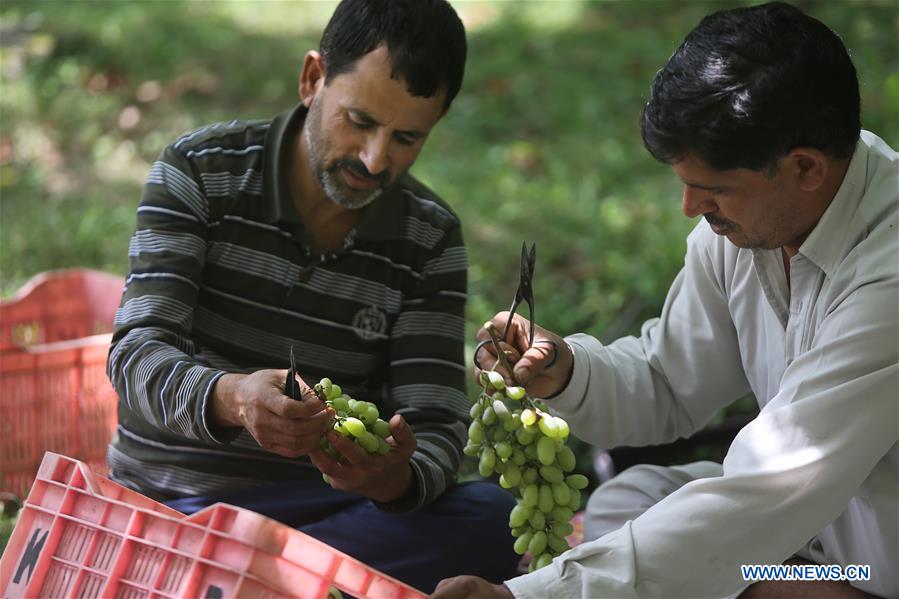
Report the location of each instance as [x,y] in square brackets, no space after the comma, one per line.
[524,293]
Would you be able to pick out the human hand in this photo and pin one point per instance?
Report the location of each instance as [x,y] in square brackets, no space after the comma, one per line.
[464,587]
[279,423]
[380,477]
[543,369]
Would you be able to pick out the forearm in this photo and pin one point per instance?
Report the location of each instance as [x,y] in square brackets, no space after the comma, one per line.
[225,409]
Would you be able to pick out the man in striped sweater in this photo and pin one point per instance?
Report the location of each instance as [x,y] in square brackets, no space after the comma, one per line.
[307,232]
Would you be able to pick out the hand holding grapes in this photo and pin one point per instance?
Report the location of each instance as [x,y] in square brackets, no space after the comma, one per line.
[382,477]
[279,424]
[543,369]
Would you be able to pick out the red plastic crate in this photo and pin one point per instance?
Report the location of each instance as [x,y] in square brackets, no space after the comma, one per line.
[54,393]
[81,535]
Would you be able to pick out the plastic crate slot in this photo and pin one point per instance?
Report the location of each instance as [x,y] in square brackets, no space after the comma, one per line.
[145,563]
[126,591]
[73,544]
[174,572]
[91,585]
[58,580]
[105,550]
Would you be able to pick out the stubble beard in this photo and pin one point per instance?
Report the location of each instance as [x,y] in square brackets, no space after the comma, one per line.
[326,175]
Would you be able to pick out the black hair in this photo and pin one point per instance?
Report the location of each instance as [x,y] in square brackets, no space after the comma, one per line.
[425,40]
[748,85]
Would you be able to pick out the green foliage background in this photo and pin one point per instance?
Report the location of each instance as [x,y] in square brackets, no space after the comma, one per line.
[541,145]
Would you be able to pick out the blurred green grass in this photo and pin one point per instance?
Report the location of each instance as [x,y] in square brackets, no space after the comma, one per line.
[541,145]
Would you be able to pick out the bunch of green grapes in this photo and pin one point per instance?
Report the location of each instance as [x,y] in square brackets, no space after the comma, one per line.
[512,435]
[358,420]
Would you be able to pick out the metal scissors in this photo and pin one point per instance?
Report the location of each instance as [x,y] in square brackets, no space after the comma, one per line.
[524,293]
[291,386]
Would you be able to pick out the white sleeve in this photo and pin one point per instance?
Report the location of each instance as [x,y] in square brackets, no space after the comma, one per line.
[668,382]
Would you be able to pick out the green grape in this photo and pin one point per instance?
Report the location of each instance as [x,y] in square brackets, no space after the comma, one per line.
[551,474]
[381,428]
[383,446]
[545,501]
[519,515]
[511,425]
[340,403]
[530,452]
[529,476]
[548,426]
[561,513]
[369,442]
[501,411]
[574,503]
[471,450]
[546,451]
[476,431]
[496,379]
[518,457]
[563,528]
[524,437]
[369,414]
[476,410]
[530,494]
[521,543]
[519,530]
[355,426]
[498,434]
[566,459]
[333,392]
[537,520]
[488,417]
[528,416]
[557,543]
[503,450]
[561,493]
[577,481]
[487,462]
[538,543]
[543,561]
[516,393]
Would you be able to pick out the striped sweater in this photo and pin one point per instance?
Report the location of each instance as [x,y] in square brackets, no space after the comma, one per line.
[221,280]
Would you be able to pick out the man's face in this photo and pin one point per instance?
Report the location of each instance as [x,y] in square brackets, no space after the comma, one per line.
[365,129]
[752,209]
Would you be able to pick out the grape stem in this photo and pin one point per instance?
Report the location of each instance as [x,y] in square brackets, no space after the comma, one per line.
[500,354]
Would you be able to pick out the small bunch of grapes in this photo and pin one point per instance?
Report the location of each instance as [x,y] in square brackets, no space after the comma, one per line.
[513,435]
[358,420]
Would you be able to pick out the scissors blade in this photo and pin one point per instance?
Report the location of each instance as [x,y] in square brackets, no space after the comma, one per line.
[291,387]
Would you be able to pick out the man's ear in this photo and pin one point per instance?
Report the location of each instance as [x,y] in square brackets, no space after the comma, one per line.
[810,167]
[312,77]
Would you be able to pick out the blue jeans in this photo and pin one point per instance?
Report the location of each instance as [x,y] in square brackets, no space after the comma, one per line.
[465,531]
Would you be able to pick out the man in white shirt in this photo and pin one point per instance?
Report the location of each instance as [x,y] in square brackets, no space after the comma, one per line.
[789,291]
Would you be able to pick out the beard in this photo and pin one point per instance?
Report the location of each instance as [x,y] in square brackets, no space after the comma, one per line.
[327,175]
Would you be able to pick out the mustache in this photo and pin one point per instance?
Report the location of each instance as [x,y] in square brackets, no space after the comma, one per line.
[718,222]
[360,170]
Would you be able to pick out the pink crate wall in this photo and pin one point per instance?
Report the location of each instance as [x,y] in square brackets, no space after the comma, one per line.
[81,535]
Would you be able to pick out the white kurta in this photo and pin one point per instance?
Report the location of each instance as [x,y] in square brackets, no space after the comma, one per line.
[818,468]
